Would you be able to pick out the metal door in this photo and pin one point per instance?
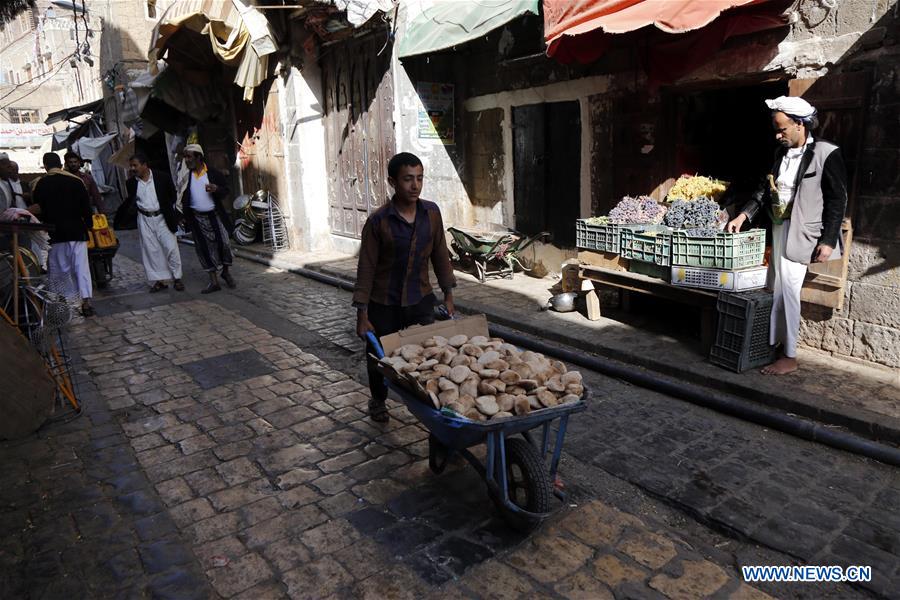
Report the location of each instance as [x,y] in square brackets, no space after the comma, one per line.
[359,130]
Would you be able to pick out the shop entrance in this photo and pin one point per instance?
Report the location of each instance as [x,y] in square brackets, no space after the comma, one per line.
[726,134]
[547,168]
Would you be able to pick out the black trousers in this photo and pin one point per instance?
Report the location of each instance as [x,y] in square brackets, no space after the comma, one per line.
[391,319]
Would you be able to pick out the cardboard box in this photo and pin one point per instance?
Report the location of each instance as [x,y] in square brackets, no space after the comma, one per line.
[738,280]
[470,326]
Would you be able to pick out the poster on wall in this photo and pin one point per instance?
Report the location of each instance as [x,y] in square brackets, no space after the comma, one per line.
[436,112]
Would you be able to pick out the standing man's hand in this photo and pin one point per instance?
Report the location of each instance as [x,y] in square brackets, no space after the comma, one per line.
[448,302]
[823,253]
[212,188]
[736,223]
[363,326]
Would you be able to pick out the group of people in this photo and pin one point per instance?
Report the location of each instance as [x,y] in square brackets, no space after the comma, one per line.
[66,200]
[159,205]
[805,196]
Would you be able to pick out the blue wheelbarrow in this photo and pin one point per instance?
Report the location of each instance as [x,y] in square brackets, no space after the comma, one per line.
[516,472]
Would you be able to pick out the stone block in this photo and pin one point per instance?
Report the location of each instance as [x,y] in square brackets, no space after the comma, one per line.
[838,337]
[699,579]
[330,537]
[649,549]
[228,547]
[584,587]
[549,558]
[239,575]
[191,512]
[235,497]
[598,524]
[876,263]
[317,579]
[876,304]
[876,344]
[614,572]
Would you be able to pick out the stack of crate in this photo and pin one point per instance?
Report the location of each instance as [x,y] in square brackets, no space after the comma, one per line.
[728,261]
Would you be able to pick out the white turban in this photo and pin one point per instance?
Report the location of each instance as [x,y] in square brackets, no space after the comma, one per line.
[193,148]
[792,106]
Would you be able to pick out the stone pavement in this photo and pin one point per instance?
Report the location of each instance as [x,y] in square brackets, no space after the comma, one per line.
[223,453]
[864,399]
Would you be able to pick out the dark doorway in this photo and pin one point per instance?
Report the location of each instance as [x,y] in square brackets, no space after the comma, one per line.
[547,168]
[726,134]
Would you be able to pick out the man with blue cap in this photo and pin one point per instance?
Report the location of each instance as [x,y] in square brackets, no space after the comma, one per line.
[805,196]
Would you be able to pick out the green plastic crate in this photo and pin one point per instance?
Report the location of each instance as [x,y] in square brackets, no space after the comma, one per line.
[603,238]
[725,251]
[650,270]
[649,243]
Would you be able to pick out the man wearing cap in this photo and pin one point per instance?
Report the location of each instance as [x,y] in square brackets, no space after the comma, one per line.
[805,196]
[207,218]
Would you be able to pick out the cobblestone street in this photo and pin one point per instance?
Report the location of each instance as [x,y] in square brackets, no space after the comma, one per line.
[224,452]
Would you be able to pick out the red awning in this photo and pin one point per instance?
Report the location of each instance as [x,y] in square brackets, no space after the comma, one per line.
[583,29]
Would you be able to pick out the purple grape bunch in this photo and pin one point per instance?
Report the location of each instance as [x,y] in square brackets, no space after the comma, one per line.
[641,210]
[702,215]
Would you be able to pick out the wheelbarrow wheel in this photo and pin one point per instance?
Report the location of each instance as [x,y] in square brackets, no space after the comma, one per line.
[438,455]
[528,483]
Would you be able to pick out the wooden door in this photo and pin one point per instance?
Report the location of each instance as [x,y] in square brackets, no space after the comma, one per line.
[841,100]
[528,167]
[359,130]
[547,169]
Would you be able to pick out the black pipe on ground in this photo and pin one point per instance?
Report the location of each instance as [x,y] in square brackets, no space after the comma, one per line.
[743,409]
[730,405]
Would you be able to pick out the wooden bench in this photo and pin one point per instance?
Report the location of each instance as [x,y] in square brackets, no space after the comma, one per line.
[610,270]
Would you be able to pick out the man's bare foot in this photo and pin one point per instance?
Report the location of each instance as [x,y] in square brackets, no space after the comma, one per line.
[782,366]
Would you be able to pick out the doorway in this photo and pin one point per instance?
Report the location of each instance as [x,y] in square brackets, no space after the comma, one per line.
[547,169]
[359,130]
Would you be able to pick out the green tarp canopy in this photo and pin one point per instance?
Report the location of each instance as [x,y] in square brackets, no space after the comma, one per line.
[452,22]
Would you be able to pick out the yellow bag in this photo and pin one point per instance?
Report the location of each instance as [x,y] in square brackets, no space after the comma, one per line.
[100,222]
[105,238]
[90,240]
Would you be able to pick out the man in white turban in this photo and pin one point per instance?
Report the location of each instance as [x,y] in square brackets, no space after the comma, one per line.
[202,203]
[805,196]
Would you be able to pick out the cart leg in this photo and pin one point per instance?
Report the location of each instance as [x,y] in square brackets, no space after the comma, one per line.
[557,450]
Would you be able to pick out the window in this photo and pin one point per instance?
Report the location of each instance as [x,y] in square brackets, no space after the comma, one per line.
[151,9]
[24,115]
[28,72]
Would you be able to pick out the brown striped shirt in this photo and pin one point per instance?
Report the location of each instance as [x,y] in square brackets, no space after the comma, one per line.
[395,254]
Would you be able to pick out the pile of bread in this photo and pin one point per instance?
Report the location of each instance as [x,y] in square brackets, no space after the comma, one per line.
[484,378]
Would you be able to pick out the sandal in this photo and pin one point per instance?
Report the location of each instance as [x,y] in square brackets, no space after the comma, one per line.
[178,285]
[158,286]
[378,412]
[88,311]
[213,287]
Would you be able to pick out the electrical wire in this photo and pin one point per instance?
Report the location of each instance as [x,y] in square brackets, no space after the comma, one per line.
[63,63]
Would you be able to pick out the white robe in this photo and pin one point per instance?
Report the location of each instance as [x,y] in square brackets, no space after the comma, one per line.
[68,261]
[784,325]
[159,249]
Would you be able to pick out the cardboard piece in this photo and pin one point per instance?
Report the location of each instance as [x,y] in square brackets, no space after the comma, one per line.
[470,326]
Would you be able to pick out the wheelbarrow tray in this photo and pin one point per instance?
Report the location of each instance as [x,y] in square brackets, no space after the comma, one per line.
[459,433]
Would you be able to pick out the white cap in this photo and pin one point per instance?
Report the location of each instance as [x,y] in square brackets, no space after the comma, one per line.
[792,105]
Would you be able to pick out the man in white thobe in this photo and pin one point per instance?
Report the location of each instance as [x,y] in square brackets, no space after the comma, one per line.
[157,221]
[805,196]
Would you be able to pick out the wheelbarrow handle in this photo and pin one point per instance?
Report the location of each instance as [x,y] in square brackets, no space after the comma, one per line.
[379,351]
